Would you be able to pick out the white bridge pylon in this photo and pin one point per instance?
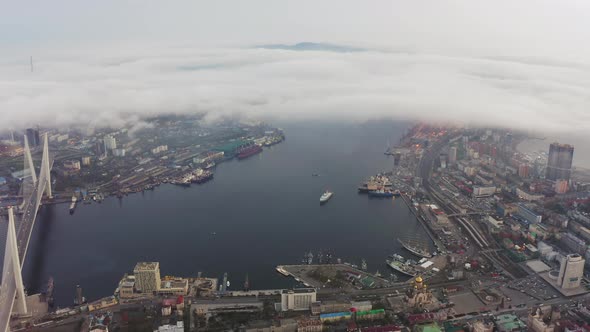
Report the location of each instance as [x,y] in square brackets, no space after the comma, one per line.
[12,293]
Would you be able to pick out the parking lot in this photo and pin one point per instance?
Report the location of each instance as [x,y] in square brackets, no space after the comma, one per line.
[535,287]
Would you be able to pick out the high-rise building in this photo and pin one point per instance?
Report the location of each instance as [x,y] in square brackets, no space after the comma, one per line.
[147,277]
[79,297]
[571,271]
[297,299]
[523,170]
[33,137]
[453,155]
[559,163]
[561,186]
[110,142]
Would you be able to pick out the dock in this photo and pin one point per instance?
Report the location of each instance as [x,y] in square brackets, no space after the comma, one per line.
[439,246]
[329,276]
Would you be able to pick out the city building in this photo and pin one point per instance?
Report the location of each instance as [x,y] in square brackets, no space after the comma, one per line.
[430,327]
[527,196]
[127,287]
[573,243]
[33,137]
[173,286]
[560,186]
[119,152]
[481,326]
[147,277]
[72,165]
[179,327]
[159,149]
[226,305]
[297,299]
[509,323]
[281,325]
[86,161]
[325,307]
[538,322]
[523,170]
[336,316]
[559,162]
[483,191]
[527,214]
[309,325]
[494,225]
[418,295]
[452,155]
[10,149]
[571,271]
[110,143]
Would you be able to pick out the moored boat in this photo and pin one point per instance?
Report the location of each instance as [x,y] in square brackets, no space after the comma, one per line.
[414,249]
[401,266]
[381,193]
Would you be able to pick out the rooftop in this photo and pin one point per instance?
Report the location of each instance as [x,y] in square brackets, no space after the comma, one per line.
[299,290]
[509,322]
[146,266]
[176,283]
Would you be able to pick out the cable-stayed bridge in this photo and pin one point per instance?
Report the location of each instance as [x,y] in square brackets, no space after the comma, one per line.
[12,294]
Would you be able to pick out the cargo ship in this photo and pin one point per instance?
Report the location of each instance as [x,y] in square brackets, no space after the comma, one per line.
[249,151]
[381,193]
[274,140]
[415,249]
[399,264]
[376,182]
[326,196]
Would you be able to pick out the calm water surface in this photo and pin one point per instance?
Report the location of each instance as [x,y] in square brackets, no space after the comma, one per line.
[264,211]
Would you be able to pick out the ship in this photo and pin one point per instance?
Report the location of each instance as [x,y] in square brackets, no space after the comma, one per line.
[49,292]
[184,180]
[73,204]
[326,196]
[210,165]
[202,176]
[415,249]
[376,182]
[399,264]
[249,151]
[274,140]
[246,284]
[381,193]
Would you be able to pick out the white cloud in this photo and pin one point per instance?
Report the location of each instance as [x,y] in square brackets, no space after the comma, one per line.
[114,88]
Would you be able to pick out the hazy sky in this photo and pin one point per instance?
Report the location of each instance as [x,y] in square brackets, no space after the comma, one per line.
[514,63]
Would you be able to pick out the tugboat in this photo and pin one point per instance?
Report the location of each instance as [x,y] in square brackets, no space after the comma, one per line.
[326,196]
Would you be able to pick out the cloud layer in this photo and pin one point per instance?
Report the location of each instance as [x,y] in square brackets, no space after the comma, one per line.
[105,88]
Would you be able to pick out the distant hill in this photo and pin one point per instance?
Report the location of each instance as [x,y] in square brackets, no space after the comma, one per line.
[308,46]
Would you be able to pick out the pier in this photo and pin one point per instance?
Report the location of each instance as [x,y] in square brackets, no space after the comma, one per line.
[439,246]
